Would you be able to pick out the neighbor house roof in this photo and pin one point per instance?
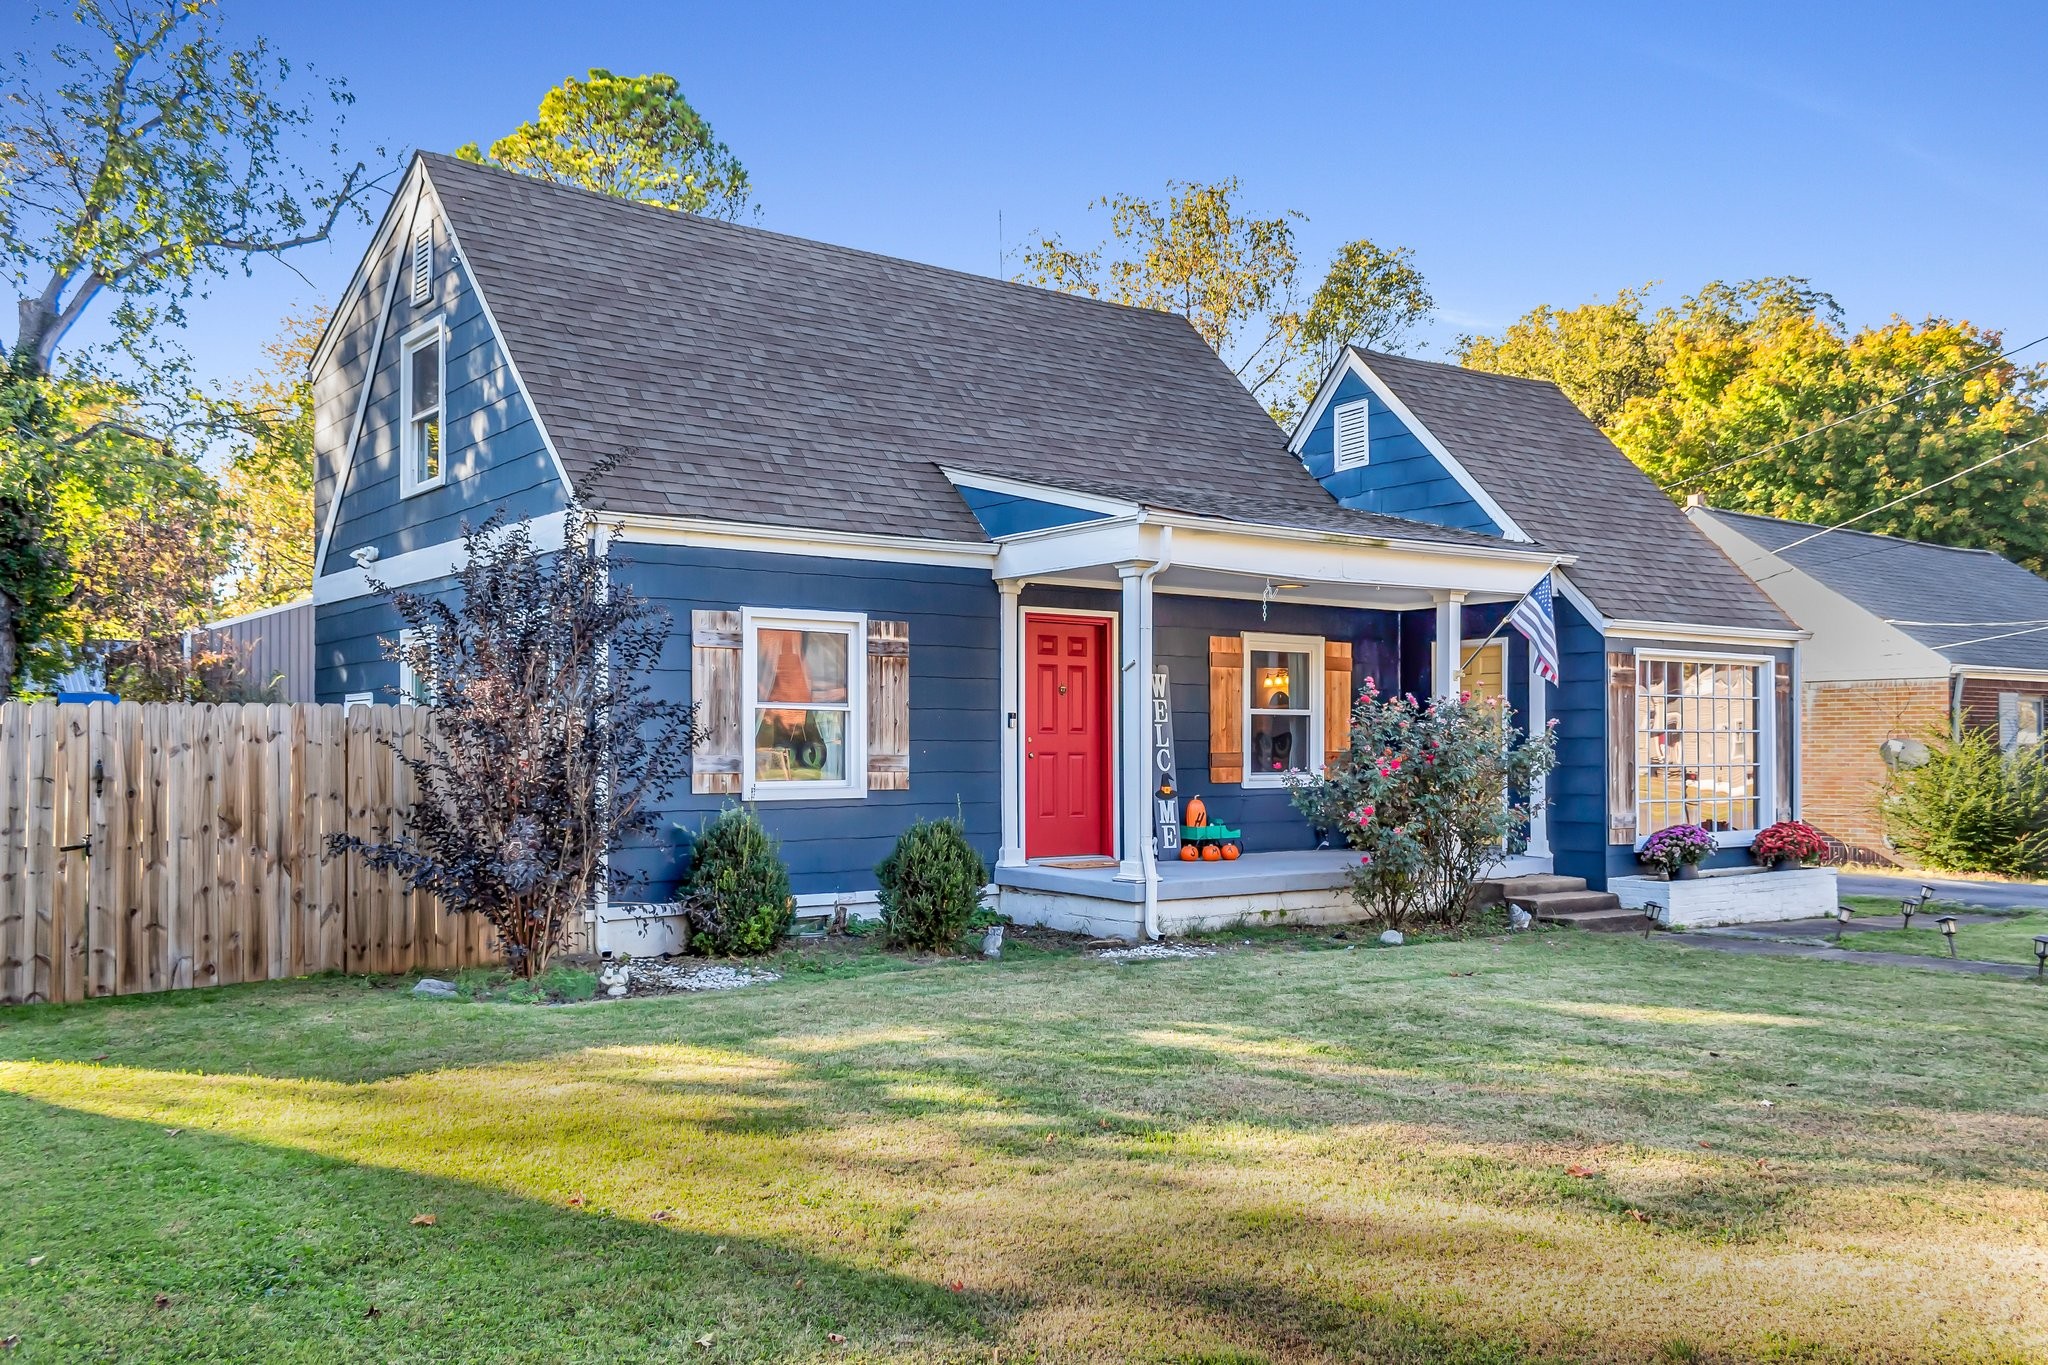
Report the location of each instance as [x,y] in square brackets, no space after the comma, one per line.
[1949,599]
[1565,484]
[742,375]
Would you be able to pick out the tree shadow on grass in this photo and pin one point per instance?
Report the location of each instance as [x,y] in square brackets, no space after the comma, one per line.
[263,1252]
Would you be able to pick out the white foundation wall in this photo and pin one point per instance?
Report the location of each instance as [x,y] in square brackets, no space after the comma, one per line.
[1736,896]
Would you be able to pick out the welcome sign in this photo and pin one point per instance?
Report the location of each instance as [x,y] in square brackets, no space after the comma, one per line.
[1165,780]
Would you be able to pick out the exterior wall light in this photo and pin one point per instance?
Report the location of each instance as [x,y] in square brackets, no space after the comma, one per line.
[1948,931]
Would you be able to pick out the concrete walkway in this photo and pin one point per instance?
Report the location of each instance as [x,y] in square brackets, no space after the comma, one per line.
[1996,895]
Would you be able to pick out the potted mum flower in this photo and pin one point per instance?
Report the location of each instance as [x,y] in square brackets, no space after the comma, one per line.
[1788,845]
[1677,849]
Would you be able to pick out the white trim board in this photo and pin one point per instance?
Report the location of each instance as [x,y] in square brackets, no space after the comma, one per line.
[760,538]
[1510,530]
[1037,492]
[438,560]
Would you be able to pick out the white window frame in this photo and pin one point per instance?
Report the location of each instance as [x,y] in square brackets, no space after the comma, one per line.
[1312,645]
[855,626]
[410,692]
[410,483]
[1765,666]
[1363,407]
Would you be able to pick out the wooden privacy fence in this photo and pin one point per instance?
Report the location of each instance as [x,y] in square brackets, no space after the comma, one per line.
[156,847]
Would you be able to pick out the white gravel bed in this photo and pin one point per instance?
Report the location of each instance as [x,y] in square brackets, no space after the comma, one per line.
[1153,952]
[653,976]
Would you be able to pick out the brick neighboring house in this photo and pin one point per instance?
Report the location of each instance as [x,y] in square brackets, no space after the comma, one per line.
[1908,639]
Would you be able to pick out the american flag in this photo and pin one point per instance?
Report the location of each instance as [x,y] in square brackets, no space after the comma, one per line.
[1534,618]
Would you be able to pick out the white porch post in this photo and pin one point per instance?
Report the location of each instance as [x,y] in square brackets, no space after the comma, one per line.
[1134,785]
[1009,655]
[1450,645]
[1537,719]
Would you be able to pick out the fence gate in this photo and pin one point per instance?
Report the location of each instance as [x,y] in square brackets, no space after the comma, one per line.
[158,847]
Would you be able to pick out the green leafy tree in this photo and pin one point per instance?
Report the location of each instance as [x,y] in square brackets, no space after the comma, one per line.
[1237,279]
[1753,395]
[268,483]
[140,157]
[634,137]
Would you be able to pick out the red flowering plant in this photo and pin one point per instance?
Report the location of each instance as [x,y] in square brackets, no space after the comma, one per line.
[1793,839]
[1420,795]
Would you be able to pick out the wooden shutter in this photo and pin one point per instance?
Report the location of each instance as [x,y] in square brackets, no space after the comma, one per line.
[1786,745]
[888,706]
[1226,708]
[1352,435]
[1336,700]
[423,266]
[715,687]
[1621,748]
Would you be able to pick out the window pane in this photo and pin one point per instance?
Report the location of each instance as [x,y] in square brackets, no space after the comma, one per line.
[1280,744]
[792,744]
[801,665]
[1281,680]
[426,447]
[426,377]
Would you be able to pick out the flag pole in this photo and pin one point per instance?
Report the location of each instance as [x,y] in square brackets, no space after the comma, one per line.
[1480,648]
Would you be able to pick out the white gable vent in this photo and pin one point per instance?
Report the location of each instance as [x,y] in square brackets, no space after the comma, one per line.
[423,266]
[1354,435]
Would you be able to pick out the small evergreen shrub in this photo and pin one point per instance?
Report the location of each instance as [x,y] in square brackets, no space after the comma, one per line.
[930,886]
[737,899]
[1971,807]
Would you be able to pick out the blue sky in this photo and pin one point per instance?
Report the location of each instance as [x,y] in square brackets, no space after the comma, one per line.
[1527,154]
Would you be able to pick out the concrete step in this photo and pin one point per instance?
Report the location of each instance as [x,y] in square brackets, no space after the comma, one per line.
[1616,921]
[1554,903]
[1521,889]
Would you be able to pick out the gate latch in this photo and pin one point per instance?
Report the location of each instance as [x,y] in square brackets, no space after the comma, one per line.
[85,848]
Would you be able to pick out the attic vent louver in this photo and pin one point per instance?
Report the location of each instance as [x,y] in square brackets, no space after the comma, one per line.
[423,266]
[1353,435]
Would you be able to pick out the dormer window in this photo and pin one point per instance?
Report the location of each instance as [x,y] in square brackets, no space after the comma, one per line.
[422,380]
[1353,427]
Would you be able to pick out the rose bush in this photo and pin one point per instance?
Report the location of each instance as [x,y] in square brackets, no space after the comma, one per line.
[1421,795]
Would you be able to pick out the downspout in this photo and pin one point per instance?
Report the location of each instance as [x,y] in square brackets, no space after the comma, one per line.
[1955,709]
[1149,849]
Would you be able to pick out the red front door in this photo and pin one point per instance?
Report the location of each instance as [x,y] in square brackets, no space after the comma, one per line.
[1066,736]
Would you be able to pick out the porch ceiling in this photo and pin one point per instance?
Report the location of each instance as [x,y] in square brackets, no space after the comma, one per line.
[1228,559]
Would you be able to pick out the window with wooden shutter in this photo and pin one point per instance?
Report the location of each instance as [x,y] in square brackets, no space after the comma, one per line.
[1621,747]
[1352,423]
[715,687]
[888,706]
[423,266]
[1226,708]
[1336,700]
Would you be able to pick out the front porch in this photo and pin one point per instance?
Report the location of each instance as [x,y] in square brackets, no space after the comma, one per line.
[1290,886]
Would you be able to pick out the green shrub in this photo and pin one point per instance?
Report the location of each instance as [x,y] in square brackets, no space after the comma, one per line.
[1972,808]
[737,898]
[930,886]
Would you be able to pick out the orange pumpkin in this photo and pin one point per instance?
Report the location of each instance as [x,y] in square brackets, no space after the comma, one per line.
[1229,853]
[1188,854]
[1198,814]
[1212,854]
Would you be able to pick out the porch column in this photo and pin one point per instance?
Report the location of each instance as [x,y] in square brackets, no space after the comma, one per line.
[1134,693]
[1445,675]
[1538,717]
[1011,733]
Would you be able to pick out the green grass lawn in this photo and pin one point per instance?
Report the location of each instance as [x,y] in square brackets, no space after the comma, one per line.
[1564,1146]
[2009,938]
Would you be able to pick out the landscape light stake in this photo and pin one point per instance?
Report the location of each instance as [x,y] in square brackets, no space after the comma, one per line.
[2040,957]
[1926,894]
[1906,909]
[1649,921]
[1948,930]
[1842,913]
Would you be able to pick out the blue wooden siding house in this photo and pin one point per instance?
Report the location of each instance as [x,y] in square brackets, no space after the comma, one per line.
[936,543]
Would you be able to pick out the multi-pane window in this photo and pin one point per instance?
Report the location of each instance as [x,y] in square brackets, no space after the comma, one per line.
[423,380]
[804,696]
[1283,705]
[1699,744]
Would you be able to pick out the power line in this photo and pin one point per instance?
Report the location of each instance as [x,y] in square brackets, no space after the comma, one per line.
[1964,625]
[1864,412]
[1987,639]
[1903,497]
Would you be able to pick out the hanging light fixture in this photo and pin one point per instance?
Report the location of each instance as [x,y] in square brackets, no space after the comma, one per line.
[1948,931]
